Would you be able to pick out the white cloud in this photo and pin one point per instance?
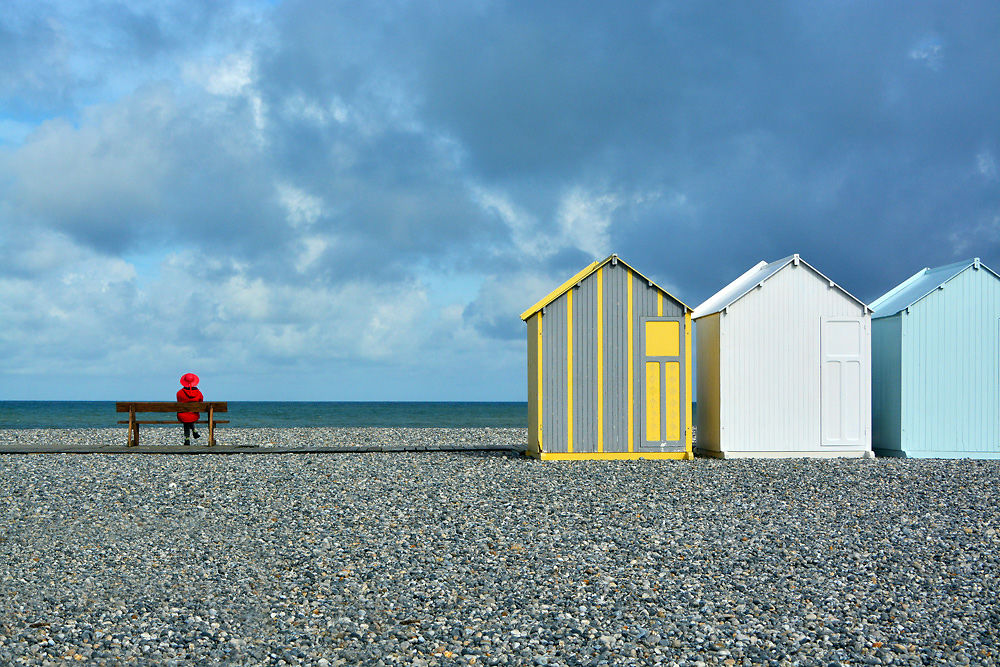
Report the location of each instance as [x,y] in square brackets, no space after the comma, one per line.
[110,159]
[300,107]
[303,209]
[970,239]
[231,76]
[228,76]
[244,300]
[69,318]
[528,240]
[312,248]
[930,52]
[986,165]
[585,219]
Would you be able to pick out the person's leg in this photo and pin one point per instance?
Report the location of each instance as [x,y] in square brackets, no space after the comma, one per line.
[187,433]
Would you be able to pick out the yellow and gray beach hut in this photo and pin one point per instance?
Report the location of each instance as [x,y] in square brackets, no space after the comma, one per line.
[609,368]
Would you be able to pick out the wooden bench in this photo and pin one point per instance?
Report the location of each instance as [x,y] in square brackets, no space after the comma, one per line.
[134,408]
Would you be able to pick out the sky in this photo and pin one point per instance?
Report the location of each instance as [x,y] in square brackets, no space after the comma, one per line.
[322,200]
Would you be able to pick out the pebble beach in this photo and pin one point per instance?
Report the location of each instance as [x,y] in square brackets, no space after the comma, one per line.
[474,558]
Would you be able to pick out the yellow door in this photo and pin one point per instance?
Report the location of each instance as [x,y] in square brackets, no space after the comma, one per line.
[663,396]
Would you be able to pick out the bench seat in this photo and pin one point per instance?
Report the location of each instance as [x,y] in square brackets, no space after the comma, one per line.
[171,421]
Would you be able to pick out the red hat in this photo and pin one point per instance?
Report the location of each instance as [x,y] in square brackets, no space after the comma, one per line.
[189,380]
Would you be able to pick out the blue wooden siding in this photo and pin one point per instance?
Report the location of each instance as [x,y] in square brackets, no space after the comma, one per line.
[886,388]
[951,369]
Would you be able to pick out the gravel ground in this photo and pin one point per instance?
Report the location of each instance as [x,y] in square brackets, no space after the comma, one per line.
[458,559]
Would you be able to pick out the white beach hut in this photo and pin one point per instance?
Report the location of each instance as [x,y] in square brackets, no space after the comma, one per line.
[783,366]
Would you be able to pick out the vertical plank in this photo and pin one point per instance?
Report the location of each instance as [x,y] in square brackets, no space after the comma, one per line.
[631,403]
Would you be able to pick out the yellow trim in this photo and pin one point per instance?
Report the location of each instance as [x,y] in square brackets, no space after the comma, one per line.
[569,371]
[558,292]
[630,404]
[659,304]
[583,273]
[687,378]
[613,456]
[541,370]
[600,359]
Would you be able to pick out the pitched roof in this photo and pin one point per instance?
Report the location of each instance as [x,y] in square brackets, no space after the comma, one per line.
[921,284]
[754,277]
[583,273]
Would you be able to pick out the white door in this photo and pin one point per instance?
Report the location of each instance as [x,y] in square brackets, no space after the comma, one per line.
[844,390]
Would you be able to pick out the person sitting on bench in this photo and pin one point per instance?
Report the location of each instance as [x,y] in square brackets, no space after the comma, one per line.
[189,393]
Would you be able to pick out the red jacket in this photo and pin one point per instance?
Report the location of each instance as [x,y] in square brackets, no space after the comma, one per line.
[192,395]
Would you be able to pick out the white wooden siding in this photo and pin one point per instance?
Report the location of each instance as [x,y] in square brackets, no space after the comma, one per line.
[770,359]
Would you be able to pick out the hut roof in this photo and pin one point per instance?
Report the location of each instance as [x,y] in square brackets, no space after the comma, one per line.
[753,278]
[582,274]
[920,285]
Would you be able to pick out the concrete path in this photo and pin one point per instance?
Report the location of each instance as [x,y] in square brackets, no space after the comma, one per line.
[223,449]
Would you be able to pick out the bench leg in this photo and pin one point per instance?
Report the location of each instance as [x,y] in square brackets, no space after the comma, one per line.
[133,429]
[211,427]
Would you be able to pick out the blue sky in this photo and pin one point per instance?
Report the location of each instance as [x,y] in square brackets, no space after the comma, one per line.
[354,201]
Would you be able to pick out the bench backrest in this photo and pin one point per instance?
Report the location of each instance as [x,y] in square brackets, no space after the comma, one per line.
[147,406]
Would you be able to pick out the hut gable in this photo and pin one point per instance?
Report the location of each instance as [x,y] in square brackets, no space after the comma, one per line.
[754,278]
[577,279]
[922,284]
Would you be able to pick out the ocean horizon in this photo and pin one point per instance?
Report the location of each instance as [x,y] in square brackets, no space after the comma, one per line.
[285,414]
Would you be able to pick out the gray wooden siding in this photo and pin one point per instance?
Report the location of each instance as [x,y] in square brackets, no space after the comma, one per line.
[585,366]
[554,378]
[615,358]
[614,399]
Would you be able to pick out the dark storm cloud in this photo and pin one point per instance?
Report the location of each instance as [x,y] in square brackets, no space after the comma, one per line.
[846,131]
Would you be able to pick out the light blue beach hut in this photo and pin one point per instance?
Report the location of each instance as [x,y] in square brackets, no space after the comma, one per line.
[936,364]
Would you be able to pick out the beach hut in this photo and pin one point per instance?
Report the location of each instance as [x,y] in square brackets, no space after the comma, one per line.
[936,364]
[783,367]
[609,368]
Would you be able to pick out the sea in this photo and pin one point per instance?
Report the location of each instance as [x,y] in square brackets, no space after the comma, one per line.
[275,414]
